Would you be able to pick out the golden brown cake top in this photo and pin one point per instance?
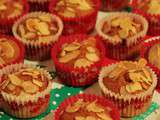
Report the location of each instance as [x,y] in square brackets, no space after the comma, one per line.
[150,6]
[82,110]
[74,8]
[40,27]
[10,8]
[121,28]
[154,55]
[80,54]
[9,51]
[25,81]
[129,78]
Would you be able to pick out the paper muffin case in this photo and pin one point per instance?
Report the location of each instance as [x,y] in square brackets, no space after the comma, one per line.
[27,106]
[133,44]
[83,24]
[7,23]
[38,50]
[20,58]
[145,51]
[38,5]
[77,76]
[153,19]
[129,105]
[87,98]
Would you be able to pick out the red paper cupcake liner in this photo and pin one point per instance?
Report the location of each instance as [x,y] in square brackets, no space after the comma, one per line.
[6,24]
[144,53]
[101,100]
[83,24]
[153,19]
[77,76]
[20,58]
[38,5]
[123,52]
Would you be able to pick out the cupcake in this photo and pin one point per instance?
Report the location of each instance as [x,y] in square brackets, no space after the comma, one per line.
[130,85]
[38,5]
[114,5]
[77,59]
[150,9]
[151,52]
[38,31]
[86,107]
[79,16]
[25,90]
[123,34]
[11,51]
[10,11]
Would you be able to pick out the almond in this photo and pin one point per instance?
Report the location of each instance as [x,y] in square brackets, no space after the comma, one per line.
[29,87]
[4,84]
[63,53]
[45,18]
[92,107]
[71,47]
[145,86]
[82,62]
[91,49]
[115,22]
[21,30]
[31,24]
[133,87]
[123,33]
[37,82]
[29,35]
[11,87]
[142,63]
[104,116]
[70,56]
[92,57]
[43,28]
[15,80]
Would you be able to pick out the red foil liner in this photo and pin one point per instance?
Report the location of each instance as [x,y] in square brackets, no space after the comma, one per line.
[20,58]
[101,100]
[38,5]
[83,24]
[153,19]
[77,76]
[144,53]
[7,23]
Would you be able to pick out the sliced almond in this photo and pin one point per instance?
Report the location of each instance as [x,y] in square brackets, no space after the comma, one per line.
[133,87]
[145,86]
[29,87]
[45,18]
[15,80]
[92,107]
[37,82]
[29,35]
[92,57]
[91,49]
[11,87]
[31,24]
[104,116]
[43,28]
[21,30]
[72,109]
[63,53]
[136,77]
[115,22]
[70,56]
[4,84]
[71,47]
[142,63]
[123,33]
[82,62]
[80,118]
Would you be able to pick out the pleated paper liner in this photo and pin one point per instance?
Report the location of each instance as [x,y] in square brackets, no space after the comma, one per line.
[88,98]
[7,23]
[77,76]
[25,106]
[145,51]
[40,49]
[38,5]
[129,105]
[81,24]
[153,19]
[20,57]
[131,48]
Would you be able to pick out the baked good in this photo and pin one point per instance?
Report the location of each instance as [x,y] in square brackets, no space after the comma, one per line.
[10,11]
[79,16]
[78,58]
[25,90]
[86,107]
[11,51]
[150,9]
[38,5]
[135,83]
[38,31]
[123,33]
